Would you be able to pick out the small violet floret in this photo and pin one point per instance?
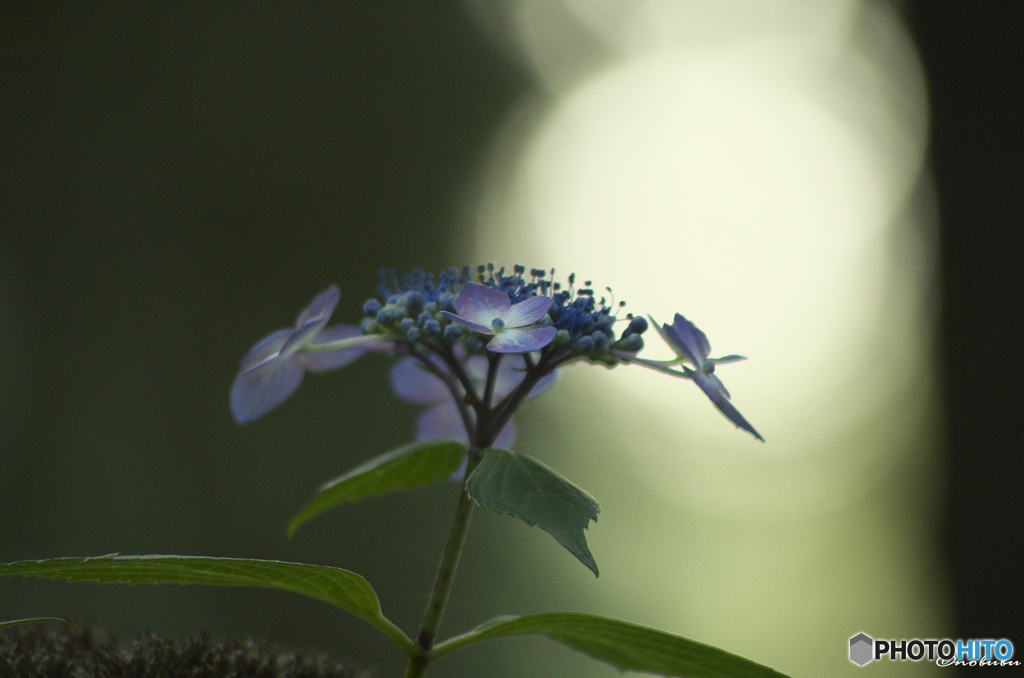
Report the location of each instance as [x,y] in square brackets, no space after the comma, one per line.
[694,346]
[489,311]
[274,366]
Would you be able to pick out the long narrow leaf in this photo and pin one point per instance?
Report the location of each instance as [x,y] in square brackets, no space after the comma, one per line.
[628,647]
[414,465]
[34,620]
[332,585]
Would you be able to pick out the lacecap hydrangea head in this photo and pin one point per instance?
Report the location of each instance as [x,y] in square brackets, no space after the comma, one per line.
[500,312]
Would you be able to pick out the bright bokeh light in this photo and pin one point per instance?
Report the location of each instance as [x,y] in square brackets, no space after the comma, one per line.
[757,167]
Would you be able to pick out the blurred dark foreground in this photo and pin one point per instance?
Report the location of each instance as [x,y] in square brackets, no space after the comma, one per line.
[81,650]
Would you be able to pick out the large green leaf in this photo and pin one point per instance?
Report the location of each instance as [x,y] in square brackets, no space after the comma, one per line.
[34,620]
[333,585]
[628,647]
[414,465]
[515,483]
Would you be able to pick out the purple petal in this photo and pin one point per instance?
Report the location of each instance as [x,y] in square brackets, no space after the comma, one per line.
[727,359]
[321,307]
[522,339]
[302,336]
[441,422]
[528,311]
[413,383]
[688,339]
[507,437]
[510,374]
[263,349]
[321,361]
[481,304]
[482,329]
[544,385]
[715,390]
[264,387]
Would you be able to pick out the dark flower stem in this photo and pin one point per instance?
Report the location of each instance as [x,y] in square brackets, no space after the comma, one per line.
[490,422]
[493,360]
[417,665]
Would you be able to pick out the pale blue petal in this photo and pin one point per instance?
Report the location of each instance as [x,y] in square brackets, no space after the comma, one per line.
[482,329]
[528,311]
[481,304]
[713,387]
[264,387]
[441,422]
[544,385]
[727,359]
[321,307]
[507,438]
[522,340]
[303,335]
[414,384]
[510,374]
[688,339]
[321,361]
[263,349]
[717,384]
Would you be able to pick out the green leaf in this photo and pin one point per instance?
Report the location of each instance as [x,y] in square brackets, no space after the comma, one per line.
[16,622]
[517,484]
[628,647]
[414,465]
[333,585]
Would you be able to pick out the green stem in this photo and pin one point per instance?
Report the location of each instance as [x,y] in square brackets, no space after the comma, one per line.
[418,661]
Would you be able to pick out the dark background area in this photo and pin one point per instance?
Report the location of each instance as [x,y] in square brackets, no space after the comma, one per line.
[974,59]
[177,181]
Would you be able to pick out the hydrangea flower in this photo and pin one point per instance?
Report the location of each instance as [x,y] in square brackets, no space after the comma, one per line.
[273,368]
[694,346]
[442,420]
[489,311]
[452,328]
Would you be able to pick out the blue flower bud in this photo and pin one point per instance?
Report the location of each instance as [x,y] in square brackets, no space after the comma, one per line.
[413,333]
[632,343]
[414,300]
[562,338]
[432,328]
[401,313]
[545,321]
[369,326]
[583,345]
[385,317]
[431,308]
[424,317]
[371,307]
[638,325]
[448,303]
[452,333]
[406,325]
[599,339]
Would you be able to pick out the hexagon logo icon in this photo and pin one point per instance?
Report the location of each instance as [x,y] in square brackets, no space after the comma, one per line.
[861,649]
